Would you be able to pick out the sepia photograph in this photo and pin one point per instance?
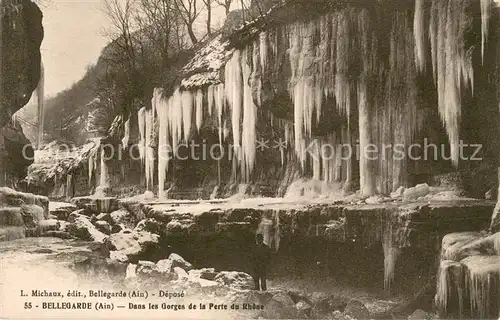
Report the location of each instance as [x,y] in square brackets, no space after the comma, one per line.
[250,159]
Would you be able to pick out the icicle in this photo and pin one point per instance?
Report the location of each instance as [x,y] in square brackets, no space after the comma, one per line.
[450,288]
[40,98]
[316,160]
[234,86]
[248,145]
[452,61]
[365,171]
[141,120]
[149,151]
[483,284]
[187,113]
[199,109]
[162,108]
[126,135]
[210,98]
[104,175]
[342,85]
[219,107]
[485,24]
[263,49]
[390,256]
[175,119]
[418,31]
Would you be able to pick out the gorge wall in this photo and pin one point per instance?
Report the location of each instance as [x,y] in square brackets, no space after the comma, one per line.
[21,69]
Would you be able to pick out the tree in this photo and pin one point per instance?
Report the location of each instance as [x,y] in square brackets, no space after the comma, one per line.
[208,6]
[226,4]
[188,12]
[120,13]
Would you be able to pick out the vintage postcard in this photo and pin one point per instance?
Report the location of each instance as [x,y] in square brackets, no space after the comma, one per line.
[249,159]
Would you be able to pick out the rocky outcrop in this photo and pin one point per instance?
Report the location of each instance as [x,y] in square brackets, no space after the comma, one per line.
[22,35]
[468,283]
[20,214]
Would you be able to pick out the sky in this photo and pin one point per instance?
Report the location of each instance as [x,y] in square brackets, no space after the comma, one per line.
[74,39]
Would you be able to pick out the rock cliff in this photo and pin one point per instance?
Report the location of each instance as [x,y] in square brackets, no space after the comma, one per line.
[20,63]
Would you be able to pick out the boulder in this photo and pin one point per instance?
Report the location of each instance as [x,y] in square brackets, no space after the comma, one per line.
[130,245]
[61,210]
[119,217]
[131,271]
[206,273]
[421,190]
[103,226]
[95,204]
[178,261]
[181,273]
[280,306]
[150,225]
[56,234]
[420,315]
[76,214]
[83,229]
[105,217]
[164,266]
[398,193]
[236,280]
[357,310]
[145,268]
[304,309]
[49,225]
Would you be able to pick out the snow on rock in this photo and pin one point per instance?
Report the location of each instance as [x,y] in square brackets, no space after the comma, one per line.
[357,310]
[83,229]
[468,282]
[416,192]
[236,280]
[164,266]
[206,273]
[181,273]
[206,64]
[178,261]
[61,210]
[131,271]
[127,244]
[49,225]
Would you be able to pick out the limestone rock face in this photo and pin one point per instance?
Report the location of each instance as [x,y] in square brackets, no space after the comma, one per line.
[20,65]
[20,214]
[22,34]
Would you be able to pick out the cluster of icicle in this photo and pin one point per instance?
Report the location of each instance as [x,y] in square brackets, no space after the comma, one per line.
[178,113]
[321,54]
[382,99]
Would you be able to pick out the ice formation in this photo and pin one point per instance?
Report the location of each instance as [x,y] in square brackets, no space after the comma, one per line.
[374,104]
[41,102]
